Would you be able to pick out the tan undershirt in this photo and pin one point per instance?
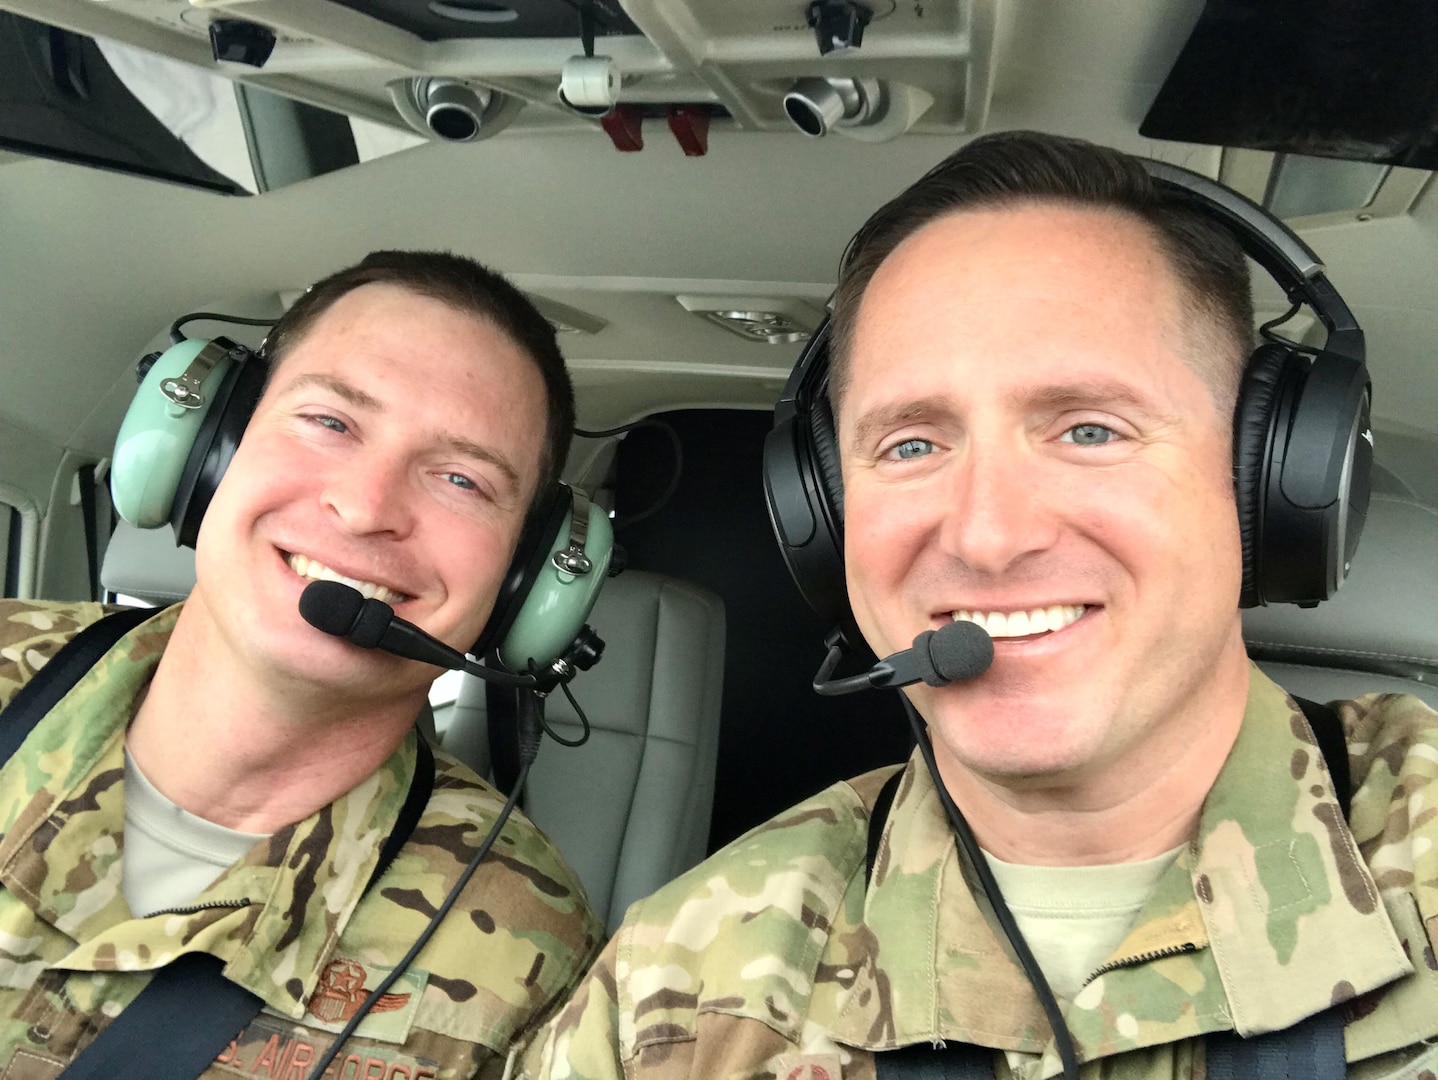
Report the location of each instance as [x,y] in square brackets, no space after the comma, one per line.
[170,855]
[1073,917]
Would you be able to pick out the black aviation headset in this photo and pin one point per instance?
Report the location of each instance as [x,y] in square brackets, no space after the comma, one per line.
[1302,442]
[185,423]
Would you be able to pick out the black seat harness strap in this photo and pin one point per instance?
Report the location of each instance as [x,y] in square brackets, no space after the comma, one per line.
[188,1012]
[67,667]
[1310,1050]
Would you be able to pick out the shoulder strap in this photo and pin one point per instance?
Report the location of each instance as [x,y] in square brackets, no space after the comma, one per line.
[67,667]
[953,1061]
[1310,1050]
[878,817]
[188,1011]
[501,708]
[1328,730]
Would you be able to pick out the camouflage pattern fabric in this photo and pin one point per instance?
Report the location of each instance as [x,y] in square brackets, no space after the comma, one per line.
[287,919]
[774,960]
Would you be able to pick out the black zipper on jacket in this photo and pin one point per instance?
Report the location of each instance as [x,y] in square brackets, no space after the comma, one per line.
[1143,958]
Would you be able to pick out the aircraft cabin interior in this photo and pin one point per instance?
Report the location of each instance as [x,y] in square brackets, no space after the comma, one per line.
[673,183]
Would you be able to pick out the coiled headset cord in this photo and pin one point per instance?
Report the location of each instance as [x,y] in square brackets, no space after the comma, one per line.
[970,851]
[529,721]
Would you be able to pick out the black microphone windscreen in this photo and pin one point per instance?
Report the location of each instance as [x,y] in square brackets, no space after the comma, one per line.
[961,650]
[331,606]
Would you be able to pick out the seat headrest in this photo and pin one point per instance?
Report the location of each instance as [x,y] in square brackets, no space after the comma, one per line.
[148,565]
[1384,619]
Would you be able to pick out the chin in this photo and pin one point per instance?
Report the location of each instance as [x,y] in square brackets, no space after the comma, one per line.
[1014,743]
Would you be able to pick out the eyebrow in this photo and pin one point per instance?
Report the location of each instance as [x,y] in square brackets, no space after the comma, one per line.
[1086,394]
[362,400]
[884,417]
[486,454]
[351,393]
[1089,393]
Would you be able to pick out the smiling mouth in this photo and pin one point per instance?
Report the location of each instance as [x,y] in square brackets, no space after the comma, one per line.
[306,567]
[1017,624]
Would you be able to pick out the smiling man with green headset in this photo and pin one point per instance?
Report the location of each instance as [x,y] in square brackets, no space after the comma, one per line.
[221,815]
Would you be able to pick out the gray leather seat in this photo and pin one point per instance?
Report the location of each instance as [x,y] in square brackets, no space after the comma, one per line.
[147,564]
[1379,633]
[629,809]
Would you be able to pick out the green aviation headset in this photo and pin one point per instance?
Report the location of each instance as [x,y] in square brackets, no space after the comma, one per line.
[183,427]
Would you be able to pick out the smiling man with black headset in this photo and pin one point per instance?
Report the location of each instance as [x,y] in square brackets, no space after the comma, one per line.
[1119,850]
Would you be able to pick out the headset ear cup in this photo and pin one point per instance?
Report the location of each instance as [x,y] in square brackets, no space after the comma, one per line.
[825,443]
[216,441]
[573,569]
[541,527]
[1253,436]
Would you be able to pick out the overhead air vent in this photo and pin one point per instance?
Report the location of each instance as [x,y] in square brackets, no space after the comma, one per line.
[463,70]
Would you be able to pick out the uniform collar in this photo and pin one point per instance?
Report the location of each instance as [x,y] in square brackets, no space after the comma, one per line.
[1267,917]
[273,916]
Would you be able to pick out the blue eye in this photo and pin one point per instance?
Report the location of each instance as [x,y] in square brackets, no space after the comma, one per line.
[330,422]
[912,448]
[1089,435]
[459,480]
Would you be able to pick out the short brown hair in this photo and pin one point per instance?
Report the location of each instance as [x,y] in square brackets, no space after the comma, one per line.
[470,288]
[1014,167]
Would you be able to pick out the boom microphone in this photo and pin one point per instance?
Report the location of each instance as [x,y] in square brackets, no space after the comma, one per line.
[954,653]
[337,609]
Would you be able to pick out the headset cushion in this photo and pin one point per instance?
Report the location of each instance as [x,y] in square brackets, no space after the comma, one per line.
[825,444]
[1252,429]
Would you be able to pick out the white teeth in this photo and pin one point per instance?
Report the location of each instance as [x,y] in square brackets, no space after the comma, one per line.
[308,568]
[1014,624]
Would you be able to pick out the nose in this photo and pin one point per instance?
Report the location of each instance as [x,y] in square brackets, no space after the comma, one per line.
[369,495]
[997,513]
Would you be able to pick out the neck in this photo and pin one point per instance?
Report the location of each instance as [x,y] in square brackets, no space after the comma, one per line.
[252,756]
[1135,806]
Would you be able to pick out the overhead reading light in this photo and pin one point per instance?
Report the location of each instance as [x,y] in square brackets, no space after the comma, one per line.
[769,327]
[837,24]
[773,320]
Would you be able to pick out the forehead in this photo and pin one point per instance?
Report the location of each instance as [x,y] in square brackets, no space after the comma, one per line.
[379,310]
[425,363]
[1015,282]
[391,331]
[1040,250]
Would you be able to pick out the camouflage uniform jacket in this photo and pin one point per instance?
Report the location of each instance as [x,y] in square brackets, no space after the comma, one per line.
[287,919]
[776,959]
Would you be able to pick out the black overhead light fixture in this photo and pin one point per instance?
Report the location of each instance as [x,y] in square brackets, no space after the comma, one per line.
[838,24]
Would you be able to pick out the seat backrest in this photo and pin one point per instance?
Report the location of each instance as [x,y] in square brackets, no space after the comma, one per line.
[1379,633]
[630,808]
[148,565]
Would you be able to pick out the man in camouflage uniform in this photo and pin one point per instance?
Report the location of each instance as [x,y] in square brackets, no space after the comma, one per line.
[1036,361]
[397,445]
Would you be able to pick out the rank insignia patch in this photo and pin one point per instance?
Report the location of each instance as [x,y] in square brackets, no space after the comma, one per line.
[345,983]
